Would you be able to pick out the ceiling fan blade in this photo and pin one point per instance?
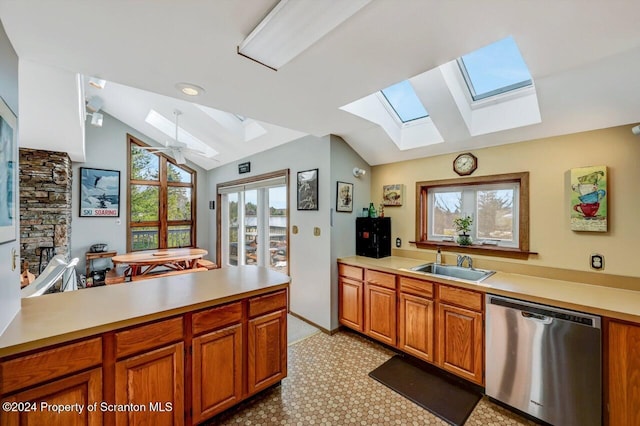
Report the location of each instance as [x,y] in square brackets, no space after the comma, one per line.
[154,148]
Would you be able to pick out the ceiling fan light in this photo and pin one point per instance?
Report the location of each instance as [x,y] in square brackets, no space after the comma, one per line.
[178,156]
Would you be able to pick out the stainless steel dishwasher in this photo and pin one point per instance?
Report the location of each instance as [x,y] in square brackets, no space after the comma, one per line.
[544,361]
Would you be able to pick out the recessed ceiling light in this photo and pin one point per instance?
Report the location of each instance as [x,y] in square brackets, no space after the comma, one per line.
[189,89]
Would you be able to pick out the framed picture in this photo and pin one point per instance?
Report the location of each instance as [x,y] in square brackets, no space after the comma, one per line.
[393,195]
[99,193]
[8,173]
[588,208]
[308,190]
[344,197]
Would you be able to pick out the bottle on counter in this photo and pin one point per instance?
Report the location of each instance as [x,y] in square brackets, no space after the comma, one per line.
[372,210]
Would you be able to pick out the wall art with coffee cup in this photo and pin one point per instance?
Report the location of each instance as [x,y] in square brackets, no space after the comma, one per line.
[589,199]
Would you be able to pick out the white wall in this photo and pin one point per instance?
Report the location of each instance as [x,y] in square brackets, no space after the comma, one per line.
[309,256]
[9,279]
[343,231]
[106,148]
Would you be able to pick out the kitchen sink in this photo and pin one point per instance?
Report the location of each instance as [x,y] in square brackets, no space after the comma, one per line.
[450,271]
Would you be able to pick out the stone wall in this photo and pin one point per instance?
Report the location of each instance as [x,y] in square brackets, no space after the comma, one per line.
[45,204]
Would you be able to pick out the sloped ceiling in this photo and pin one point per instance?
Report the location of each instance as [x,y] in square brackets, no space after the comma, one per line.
[584,58]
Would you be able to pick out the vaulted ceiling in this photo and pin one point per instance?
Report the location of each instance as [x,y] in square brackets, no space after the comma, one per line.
[584,57]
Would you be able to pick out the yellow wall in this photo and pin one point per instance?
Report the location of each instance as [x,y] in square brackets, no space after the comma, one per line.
[548,161]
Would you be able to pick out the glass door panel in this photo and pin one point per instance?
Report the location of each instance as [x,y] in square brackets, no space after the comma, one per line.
[278,229]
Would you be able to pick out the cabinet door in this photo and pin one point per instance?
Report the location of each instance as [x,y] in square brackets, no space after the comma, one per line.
[350,306]
[81,389]
[380,313]
[460,341]
[416,326]
[217,371]
[267,346]
[623,374]
[156,380]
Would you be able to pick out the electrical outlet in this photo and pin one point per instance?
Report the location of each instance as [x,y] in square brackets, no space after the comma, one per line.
[398,242]
[597,261]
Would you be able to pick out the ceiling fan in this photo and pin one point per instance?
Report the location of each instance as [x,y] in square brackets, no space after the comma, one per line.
[175,148]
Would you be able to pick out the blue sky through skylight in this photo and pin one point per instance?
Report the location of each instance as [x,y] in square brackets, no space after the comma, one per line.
[404,101]
[495,69]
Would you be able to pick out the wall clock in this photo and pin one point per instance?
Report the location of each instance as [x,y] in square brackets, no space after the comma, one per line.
[465,164]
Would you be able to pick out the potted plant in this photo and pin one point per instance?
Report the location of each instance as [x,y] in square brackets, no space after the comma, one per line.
[463,226]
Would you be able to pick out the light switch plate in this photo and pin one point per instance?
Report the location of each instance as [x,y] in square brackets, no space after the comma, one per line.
[294,229]
[597,261]
[316,231]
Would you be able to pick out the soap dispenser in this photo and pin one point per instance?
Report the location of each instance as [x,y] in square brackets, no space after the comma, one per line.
[438,257]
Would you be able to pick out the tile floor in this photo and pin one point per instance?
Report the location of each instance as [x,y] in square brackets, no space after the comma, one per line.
[328,384]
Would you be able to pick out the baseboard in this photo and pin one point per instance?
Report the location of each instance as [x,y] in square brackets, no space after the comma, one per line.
[301,318]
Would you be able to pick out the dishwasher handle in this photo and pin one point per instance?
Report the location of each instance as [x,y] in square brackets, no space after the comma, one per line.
[538,312]
[537,317]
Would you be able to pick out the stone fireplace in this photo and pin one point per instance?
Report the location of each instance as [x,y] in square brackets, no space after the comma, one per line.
[45,204]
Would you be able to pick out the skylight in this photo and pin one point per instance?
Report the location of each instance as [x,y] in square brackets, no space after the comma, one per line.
[495,69]
[404,101]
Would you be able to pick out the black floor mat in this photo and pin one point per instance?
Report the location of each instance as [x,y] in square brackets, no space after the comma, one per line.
[425,385]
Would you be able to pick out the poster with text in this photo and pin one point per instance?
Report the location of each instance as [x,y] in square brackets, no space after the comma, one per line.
[99,193]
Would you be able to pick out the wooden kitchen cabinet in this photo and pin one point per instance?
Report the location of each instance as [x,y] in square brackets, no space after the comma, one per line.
[461,342]
[154,377]
[82,389]
[217,372]
[350,308]
[623,374]
[416,318]
[416,326]
[267,350]
[380,313]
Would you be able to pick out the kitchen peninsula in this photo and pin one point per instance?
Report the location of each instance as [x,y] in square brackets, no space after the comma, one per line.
[180,349]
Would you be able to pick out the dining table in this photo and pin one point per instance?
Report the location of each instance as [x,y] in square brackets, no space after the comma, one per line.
[145,262]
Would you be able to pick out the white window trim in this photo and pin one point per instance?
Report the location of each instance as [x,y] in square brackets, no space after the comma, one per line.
[469,208]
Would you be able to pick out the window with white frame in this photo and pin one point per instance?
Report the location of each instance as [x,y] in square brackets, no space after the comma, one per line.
[493,209]
[498,206]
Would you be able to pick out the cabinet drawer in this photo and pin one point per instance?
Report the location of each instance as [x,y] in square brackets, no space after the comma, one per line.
[417,287]
[350,271]
[270,302]
[461,297]
[220,316]
[49,364]
[380,278]
[148,336]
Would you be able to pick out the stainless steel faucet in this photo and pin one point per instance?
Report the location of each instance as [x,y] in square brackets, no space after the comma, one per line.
[461,259]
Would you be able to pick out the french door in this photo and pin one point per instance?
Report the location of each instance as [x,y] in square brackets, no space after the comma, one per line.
[253,219]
